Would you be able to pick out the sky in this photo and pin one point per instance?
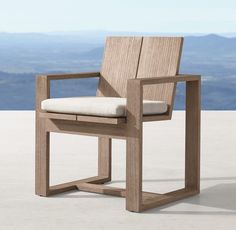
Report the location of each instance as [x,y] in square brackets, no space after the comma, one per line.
[165,16]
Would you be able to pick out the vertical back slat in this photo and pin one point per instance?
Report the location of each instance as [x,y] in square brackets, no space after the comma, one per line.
[120,63]
[160,56]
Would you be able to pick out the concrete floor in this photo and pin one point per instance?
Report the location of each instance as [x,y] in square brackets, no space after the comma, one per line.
[74,157]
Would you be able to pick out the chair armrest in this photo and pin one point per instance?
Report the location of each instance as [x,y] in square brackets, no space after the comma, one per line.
[70,76]
[135,93]
[43,84]
[171,79]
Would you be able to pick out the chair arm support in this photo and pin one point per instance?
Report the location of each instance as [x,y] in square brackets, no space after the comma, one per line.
[170,79]
[70,76]
[135,93]
[43,84]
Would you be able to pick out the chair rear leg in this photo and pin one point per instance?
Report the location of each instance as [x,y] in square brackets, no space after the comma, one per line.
[42,159]
[104,157]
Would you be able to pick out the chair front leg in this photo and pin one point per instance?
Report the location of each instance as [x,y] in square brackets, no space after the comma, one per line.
[42,159]
[134,170]
[192,138]
[42,140]
[134,147]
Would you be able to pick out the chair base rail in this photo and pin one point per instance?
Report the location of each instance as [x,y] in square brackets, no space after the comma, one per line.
[73,185]
[95,185]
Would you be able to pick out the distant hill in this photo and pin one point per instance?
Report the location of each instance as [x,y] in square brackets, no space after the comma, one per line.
[22,56]
[17,91]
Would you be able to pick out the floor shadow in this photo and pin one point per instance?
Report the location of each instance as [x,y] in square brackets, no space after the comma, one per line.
[221,196]
[181,179]
[77,194]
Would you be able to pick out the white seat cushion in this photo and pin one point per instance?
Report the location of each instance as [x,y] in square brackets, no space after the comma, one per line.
[99,106]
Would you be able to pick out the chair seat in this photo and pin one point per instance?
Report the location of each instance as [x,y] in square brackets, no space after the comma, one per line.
[99,106]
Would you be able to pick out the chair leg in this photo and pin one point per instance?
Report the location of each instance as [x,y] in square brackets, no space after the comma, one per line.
[104,157]
[134,142]
[42,159]
[134,172]
[192,139]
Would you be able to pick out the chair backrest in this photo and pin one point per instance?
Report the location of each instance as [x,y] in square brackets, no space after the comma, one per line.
[140,57]
[160,56]
[120,63]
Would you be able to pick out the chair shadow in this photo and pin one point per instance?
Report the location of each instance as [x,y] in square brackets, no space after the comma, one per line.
[220,196]
[181,179]
[77,194]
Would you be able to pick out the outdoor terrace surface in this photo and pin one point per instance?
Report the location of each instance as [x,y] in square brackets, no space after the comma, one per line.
[74,157]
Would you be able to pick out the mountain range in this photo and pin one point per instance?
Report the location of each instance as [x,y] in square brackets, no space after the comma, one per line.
[23,56]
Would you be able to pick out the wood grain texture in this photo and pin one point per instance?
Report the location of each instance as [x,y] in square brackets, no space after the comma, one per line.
[104,157]
[153,200]
[86,128]
[103,120]
[73,185]
[192,135]
[162,117]
[59,116]
[155,79]
[71,76]
[166,79]
[134,146]
[97,188]
[42,139]
[160,56]
[120,63]
[83,118]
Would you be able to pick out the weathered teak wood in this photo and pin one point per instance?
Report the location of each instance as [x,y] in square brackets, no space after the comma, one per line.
[130,67]
[120,63]
[104,157]
[134,146]
[155,200]
[58,116]
[86,128]
[42,141]
[160,56]
[42,135]
[192,136]
[83,118]
[102,120]
[134,199]
[73,185]
[72,76]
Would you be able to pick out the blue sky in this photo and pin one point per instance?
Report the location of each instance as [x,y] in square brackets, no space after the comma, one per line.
[174,16]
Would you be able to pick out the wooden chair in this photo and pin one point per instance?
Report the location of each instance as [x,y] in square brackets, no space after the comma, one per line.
[136,68]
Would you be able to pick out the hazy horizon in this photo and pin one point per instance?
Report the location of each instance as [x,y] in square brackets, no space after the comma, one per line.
[23,56]
[68,36]
[98,31]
